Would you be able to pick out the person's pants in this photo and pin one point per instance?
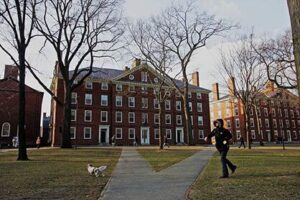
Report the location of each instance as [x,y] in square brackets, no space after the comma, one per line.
[225,162]
[242,143]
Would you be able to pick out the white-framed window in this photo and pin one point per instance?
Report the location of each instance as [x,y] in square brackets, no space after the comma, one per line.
[286,113]
[274,123]
[275,133]
[293,124]
[144,89]
[131,88]
[292,113]
[237,123]
[201,134]
[295,134]
[119,87]
[119,101]
[251,122]
[88,85]
[168,118]
[131,133]
[144,102]
[168,104]
[72,132]
[189,95]
[238,134]
[258,112]
[267,124]
[169,133]
[253,136]
[156,134]
[178,105]
[236,110]
[273,112]
[87,133]
[265,112]
[145,118]
[178,119]
[199,95]
[228,122]
[73,98]
[155,91]
[191,106]
[73,115]
[119,117]
[287,123]
[156,103]
[281,123]
[192,120]
[104,86]
[131,117]
[199,107]
[104,100]
[5,131]
[88,100]
[298,113]
[156,118]
[119,133]
[104,116]
[200,121]
[87,115]
[279,112]
[144,76]
[131,102]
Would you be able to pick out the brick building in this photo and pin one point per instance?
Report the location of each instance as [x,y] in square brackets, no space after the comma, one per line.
[9,112]
[277,115]
[123,103]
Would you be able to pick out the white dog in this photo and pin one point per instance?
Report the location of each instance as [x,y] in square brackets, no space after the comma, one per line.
[97,171]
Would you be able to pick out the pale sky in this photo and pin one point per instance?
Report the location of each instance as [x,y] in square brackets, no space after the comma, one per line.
[266,17]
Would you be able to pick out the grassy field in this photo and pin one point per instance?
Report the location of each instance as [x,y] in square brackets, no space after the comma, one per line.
[262,174]
[161,159]
[55,174]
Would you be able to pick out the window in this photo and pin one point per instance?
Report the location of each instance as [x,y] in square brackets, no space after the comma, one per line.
[87,115]
[87,133]
[144,90]
[131,88]
[279,112]
[119,87]
[276,133]
[293,124]
[251,122]
[72,132]
[199,107]
[189,95]
[191,106]
[199,96]
[118,133]
[104,86]
[237,123]
[201,134]
[73,115]
[178,119]
[281,123]
[169,133]
[286,114]
[273,112]
[267,125]
[297,113]
[5,132]
[258,112]
[119,101]
[144,118]
[265,112]
[131,117]
[274,123]
[178,105]
[131,133]
[88,100]
[131,102]
[192,120]
[200,121]
[144,102]
[88,85]
[253,136]
[295,134]
[119,117]
[104,100]
[168,118]
[238,134]
[74,98]
[292,113]
[156,103]
[144,76]
[168,105]
[251,112]
[236,111]
[287,123]
[228,124]
[156,134]
[156,118]
[104,116]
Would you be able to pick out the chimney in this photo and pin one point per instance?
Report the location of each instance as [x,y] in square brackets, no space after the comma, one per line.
[270,86]
[126,68]
[56,71]
[231,86]
[215,91]
[11,71]
[195,78]
[136,62]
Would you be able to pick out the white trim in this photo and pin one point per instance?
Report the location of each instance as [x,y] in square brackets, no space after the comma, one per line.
[117,117]
[117,134]
[2,129]
[87,128]
[74,128]
[181,135]
[106,127]
[85,114]
[75,115]
[131,122]
[106,115]
[131,138]
[145,140]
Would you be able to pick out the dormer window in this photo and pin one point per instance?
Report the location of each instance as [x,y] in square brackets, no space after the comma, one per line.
[144,76]
[89,85]
[119,87]
[104,86]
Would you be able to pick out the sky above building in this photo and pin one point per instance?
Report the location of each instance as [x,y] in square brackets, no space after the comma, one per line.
[266,18]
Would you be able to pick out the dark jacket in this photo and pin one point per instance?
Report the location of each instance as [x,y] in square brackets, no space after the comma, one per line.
[222,136]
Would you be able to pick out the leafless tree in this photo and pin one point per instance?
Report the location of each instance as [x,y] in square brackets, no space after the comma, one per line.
[241,65]
[79,31]
[17,31]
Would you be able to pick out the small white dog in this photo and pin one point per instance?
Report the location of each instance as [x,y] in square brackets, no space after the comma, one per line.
[97,171]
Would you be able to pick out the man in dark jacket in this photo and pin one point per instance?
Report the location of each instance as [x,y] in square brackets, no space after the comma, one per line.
[222,137]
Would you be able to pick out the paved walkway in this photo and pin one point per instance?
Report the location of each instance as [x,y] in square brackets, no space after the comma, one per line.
[133,177]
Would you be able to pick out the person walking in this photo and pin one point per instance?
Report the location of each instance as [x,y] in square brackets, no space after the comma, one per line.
[38,142]
[166,141]
[113,140]
[242,142]
[222,137]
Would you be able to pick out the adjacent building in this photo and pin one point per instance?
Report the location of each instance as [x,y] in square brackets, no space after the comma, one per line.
[123,103]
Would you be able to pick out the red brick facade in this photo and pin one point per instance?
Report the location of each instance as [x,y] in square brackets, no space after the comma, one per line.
[104,126]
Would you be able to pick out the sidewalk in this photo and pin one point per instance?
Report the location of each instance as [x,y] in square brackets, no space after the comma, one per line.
[133,178]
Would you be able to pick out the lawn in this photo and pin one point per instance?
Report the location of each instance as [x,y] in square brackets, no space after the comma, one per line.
[162,159]
[55,173]
[261,174]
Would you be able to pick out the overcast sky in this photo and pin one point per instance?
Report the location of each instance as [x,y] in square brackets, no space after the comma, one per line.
[267,17]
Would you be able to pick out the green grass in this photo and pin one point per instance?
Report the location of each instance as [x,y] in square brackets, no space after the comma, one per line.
[162,159]
[55,174]
[261,174]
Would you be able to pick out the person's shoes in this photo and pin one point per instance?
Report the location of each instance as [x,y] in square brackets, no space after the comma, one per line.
[233,169]
[224,176]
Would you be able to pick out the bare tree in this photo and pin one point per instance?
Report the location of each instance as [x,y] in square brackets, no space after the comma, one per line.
[247,78]
[79,31]
[17,31]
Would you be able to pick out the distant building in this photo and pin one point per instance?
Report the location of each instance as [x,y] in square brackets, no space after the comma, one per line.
[277,114]
[9,108]
[123,103]
[45,130]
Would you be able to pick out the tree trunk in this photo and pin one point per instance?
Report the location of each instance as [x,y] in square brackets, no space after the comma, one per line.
[294,10]
[188,124]
[66,141]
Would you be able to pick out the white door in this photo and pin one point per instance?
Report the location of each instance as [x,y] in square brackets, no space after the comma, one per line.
[289,136]
[103,134]
[269,136]
[179,135]
[145,136]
